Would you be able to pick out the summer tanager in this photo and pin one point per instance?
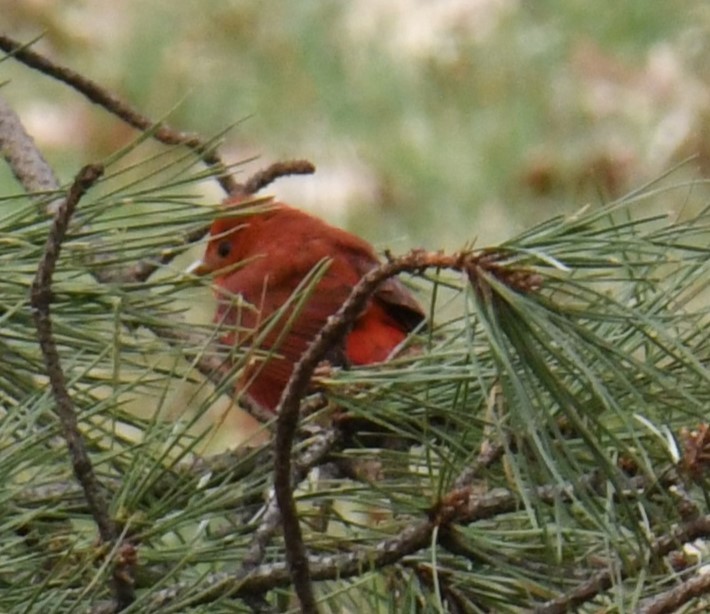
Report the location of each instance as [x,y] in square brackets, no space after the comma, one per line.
[263,257]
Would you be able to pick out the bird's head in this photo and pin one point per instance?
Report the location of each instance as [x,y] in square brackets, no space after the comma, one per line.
[229,237]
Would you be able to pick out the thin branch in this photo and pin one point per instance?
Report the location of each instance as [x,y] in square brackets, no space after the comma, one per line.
[261,179]
[671,600]
[602,581]
[41,299]
[121,109]
[316,451]
[490,453]
[142,270]
[476,266]
[22,156]
[330,566]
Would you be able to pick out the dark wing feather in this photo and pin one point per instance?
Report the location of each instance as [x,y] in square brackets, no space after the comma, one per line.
[392,294]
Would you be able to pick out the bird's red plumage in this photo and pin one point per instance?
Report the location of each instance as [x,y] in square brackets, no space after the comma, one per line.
[263,257]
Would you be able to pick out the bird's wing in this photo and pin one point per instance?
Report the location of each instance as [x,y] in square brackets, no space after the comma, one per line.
[392,295]
[284,321]
[301,292]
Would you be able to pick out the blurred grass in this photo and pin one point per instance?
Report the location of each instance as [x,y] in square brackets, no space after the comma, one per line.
[432,123]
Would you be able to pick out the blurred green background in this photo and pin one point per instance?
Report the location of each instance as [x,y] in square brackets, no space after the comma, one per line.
[432,123]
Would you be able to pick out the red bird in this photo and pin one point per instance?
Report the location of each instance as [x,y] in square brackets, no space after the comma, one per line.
[263,257]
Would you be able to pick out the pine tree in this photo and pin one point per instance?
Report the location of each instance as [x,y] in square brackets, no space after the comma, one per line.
[543,444]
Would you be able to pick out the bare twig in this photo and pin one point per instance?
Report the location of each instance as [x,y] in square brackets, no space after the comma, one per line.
[40,299]
[22,156]
[143,269]
[121,109]
[411,539]
[671,600]
[261,179]
[602,581]
[490,453]
[317,449]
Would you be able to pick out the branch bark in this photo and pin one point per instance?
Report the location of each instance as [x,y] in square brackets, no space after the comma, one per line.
[24,159]
[672,600]
[602,581]
[41,299]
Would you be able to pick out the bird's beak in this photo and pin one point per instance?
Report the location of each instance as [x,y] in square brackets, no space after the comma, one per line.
[199,268]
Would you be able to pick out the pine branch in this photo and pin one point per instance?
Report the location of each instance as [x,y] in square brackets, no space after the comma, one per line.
[317,449]
[478,267]
[261,179]
[670,601]
[326,567]
[597,376]
[602,581]
[22,156]
[41,299]
[33,172]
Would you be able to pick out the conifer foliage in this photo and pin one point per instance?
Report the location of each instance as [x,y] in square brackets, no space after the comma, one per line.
[542,444]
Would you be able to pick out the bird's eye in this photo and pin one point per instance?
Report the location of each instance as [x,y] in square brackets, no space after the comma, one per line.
[224,248]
